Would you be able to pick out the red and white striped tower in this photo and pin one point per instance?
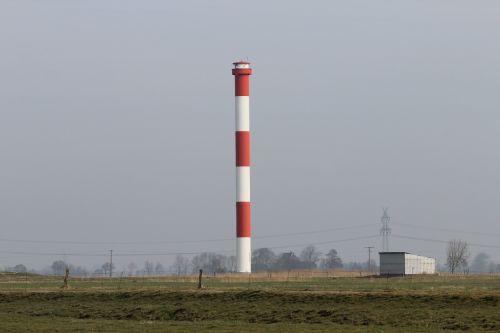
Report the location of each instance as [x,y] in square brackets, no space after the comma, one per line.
[242,72]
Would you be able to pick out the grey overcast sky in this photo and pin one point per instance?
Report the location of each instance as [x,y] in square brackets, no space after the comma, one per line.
[117,125]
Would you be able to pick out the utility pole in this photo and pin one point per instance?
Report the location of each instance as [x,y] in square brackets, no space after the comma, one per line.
[111,263]
[369,257]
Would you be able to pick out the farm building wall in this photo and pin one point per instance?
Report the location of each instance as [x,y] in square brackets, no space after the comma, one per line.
[415,264]
[392,263]
[402,263]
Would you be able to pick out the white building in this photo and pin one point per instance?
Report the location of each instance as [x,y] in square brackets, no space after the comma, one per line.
[403,263]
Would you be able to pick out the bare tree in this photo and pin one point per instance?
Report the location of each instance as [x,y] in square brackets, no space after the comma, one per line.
[180,265]
[480,263]
[332,260]
[263,259]
[148,267]
[131,268]
[231,263]
[159,270]
[58,267]
[493,267]
[20,268]
[457,255]
[289,261]
[310,256]
[107,267]
[209,262]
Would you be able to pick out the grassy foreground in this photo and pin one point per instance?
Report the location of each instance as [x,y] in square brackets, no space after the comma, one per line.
[426,304]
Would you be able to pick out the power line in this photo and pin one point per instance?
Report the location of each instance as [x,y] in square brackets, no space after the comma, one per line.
[445,241]
[317,231]
[108,242]
[133,254]
[170,253]
[447,229]
[130,254]
[325,242]
[55,254]
[159,253]
[181,242]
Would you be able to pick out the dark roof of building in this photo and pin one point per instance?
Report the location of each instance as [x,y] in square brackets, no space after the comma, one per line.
[389,252]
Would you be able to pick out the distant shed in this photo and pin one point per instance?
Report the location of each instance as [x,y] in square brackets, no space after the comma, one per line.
[404,263]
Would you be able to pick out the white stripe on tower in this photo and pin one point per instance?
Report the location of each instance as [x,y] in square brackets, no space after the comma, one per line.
[242,72]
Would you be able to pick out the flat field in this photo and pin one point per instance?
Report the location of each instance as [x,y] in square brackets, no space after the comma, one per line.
[257,303]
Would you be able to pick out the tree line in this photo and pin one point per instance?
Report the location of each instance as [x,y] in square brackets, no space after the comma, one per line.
[265,259]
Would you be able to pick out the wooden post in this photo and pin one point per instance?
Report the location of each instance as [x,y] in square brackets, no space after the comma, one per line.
[66,275]
[199,279]
[120,281]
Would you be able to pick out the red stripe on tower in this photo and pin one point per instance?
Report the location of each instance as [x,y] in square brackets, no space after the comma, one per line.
[242,148]
[243,219]
[242,72]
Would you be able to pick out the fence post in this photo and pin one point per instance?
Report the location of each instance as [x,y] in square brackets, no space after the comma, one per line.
[66,275]
[199,279]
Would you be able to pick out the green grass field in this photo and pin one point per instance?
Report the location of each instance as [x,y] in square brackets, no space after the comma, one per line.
[250,304]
